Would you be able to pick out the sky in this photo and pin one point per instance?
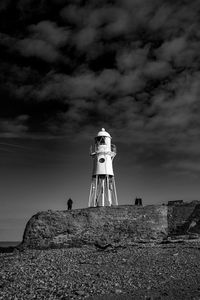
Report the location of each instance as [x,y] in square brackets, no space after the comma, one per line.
[69,68]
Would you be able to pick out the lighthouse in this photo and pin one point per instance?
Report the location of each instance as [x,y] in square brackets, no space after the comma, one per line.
[103,189]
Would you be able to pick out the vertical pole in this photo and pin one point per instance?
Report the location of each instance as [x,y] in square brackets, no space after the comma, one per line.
[115,192]
[95,194]
[108,190]
[103,192]
[90,196]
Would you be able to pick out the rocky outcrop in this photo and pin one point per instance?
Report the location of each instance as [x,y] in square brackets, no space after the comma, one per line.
[184,219]
[100,226]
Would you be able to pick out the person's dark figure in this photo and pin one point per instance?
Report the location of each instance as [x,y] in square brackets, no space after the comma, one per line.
[69,204]
[138,201]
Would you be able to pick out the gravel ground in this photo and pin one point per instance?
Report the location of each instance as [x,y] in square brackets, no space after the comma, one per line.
[170,271]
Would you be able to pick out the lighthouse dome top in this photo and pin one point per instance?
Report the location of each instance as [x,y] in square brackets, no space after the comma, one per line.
[102,132]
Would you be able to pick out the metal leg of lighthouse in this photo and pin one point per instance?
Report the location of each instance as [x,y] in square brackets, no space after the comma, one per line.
[98,193]
[90,196]
[115,193]
[103,193]
[95,194]
[108,190]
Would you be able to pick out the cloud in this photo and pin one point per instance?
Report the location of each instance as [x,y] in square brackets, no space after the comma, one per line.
[44,42]
[50,32]
[179,166]
[107,81]
[85,37]
[157,69]
[172,49]
[131,83]
[181,51]
[38,48]
[117,22]
[89,85]
[4,4]
[75,15]
[62,86]
[17,127]
[132,65]
[7,41]
[174,107]
[131,58]
[161,16]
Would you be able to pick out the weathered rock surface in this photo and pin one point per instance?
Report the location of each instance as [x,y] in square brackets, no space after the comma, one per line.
[102,226]
[184,219]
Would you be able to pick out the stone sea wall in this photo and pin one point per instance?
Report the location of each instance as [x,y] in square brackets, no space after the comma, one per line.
[103,225]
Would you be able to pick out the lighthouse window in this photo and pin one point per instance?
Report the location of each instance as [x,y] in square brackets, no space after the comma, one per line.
[101,160]
[100,140]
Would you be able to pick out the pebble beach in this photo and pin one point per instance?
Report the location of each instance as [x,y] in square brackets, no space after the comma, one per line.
[142,271]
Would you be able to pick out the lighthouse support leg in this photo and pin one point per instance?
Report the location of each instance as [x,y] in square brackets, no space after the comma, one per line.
[95,194]
[90,196]
[115,192]
[108,191]
[103,192]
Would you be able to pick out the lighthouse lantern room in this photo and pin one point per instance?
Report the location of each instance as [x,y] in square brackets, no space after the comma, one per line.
[103,189]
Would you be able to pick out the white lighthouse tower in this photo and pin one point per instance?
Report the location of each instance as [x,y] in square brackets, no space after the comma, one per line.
[103,190]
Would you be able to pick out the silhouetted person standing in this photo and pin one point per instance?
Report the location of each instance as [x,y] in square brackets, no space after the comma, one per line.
[138,201]
[69,204]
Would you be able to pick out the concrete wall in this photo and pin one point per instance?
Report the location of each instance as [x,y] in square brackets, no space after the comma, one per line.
[111,224]
[108,225]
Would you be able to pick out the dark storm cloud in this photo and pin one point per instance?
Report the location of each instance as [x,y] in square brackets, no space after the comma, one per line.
[132,65]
